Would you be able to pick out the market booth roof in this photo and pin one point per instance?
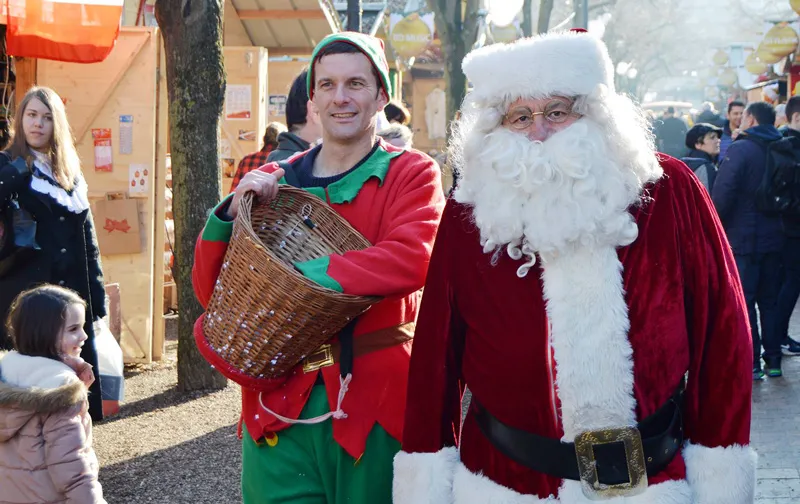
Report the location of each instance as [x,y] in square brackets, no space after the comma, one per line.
[292,26]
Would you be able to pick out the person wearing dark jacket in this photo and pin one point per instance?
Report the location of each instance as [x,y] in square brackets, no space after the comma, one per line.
[756,238]
[670,134]
[709,115]
[731,127]
[790,290]
[702,140]
[304,125]
[40,173]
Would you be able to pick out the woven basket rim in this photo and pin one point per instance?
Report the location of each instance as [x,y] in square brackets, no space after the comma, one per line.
[244,221]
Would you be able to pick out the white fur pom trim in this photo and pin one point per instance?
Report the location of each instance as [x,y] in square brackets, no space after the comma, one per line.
[721,475]
[567,64]
[595,392]
[471,488]
[668,492]
[424,478]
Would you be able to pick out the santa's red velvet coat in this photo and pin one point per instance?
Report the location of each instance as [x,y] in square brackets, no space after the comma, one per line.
[535,352]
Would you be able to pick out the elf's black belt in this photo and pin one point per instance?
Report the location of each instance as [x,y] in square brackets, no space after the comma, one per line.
[609,462]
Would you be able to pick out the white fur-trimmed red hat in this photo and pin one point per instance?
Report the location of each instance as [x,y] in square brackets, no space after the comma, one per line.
[560,63]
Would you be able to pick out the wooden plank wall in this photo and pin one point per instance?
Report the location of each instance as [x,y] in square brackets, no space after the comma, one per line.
[128,82]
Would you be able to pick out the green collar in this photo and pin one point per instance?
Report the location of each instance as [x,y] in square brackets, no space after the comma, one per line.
[347,188]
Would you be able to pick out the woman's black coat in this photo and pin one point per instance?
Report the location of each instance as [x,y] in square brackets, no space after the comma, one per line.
[69,257]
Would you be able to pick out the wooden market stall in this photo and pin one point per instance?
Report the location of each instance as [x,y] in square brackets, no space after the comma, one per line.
[244,114]
[118,111]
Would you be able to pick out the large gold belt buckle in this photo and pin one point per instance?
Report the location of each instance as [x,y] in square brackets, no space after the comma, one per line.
[322,357]
[634,455]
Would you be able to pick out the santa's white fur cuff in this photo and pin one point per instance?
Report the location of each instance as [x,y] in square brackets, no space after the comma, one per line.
[424,478]
[721,475]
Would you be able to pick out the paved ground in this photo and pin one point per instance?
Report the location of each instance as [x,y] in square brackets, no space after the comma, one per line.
[776,431]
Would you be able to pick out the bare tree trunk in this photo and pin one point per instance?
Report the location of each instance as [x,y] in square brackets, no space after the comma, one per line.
[192,31]
[527,18]
[545,10]
[458,27]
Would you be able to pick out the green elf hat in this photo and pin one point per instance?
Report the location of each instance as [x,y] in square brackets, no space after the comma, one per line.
[372,47]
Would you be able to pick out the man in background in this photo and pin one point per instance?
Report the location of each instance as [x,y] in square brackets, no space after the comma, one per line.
[731,128]
[252,161]
[755,237]
[304,125]
[671,134]
[790,289]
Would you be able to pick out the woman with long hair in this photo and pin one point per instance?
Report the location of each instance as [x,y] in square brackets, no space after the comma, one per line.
[48,234]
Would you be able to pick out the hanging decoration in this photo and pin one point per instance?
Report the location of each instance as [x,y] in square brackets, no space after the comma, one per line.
[78,31]
[754,65]
[780,40]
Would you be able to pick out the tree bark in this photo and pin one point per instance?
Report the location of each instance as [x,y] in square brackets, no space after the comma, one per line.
[458,27]
[545,10]
[192,31]
[527,18]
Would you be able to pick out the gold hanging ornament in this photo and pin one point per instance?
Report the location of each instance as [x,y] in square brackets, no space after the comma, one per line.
[720,57]
[411,36]
[795,5]
[504,34]
[780,40]
[728,77]
[754,65]
[767,56]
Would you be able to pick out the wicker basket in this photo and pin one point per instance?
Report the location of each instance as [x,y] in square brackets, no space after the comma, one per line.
[264,316]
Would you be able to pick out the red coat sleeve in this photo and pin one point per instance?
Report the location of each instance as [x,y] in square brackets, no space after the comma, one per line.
[209,253]
[719,463]
[398,262]
[435,388]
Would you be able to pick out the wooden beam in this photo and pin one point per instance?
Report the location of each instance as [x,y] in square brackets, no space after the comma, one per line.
[112,85]
[25,69]
[280,14]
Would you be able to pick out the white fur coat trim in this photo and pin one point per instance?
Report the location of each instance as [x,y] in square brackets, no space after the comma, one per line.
[566,64]
[721,475]
[589,324]
[423,478]
[25,371]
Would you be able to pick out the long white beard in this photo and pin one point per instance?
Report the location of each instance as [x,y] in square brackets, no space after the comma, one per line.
[548,198]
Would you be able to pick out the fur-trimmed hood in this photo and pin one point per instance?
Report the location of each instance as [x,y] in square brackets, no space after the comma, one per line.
[34,385]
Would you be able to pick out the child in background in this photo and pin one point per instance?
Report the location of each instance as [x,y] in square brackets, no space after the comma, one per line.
[46,450]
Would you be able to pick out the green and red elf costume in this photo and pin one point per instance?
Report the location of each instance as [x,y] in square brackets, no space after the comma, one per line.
[394,198]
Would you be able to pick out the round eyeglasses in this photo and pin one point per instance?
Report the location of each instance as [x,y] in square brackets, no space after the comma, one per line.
[555,112]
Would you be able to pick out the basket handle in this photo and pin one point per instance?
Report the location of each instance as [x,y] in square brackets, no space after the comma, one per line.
[245,206]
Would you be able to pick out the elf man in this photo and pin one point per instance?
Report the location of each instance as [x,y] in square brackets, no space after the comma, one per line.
[394,198]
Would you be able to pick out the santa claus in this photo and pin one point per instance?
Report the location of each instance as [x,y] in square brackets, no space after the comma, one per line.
[582,287]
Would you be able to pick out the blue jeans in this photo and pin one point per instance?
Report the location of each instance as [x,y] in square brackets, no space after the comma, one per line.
[790,290]
[760,274]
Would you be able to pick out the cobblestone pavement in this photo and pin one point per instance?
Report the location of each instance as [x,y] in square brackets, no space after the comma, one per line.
[775,432]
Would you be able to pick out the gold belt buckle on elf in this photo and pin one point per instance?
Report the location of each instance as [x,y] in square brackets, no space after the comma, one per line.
[322,357]
[631,440]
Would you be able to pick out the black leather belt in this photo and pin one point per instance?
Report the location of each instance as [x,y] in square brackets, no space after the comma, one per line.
[654,441]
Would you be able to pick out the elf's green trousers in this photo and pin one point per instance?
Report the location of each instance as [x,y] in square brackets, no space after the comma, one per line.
[307,466]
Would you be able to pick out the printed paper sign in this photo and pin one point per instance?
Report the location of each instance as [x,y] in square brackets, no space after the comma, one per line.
[277,105]
[228,167]
[238,102]
[103,161]
[138,180]
[247,135]
[224,148]
[125,134]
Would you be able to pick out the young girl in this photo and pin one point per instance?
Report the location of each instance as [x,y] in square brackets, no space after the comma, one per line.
[46,450]
[40,173]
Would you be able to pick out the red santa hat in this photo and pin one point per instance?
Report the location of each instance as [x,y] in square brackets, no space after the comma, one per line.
[570,63]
